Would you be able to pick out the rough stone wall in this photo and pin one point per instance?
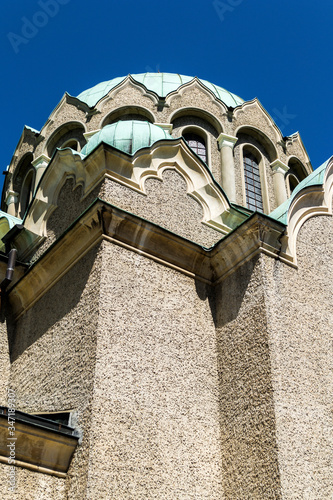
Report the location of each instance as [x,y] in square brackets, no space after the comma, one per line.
[53,352]
[4,361]
[166,204]
[155,427]
[248,441]
[301,325]
[31,485]
[69,207]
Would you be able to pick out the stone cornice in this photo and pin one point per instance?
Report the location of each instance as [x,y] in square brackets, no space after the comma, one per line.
[279,167]
[103,221]
[11,197]
[225,140]
[41,161]
[165,126]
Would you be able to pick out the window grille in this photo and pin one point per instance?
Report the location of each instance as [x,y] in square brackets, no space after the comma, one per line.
[252,183]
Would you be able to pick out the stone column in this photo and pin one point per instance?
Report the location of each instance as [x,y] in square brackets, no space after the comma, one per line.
[11,200]
[226,144]
[40,165]
[279,169]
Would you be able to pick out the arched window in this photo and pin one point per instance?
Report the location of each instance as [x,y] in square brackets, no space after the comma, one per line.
[26,193]
[253,192]
[72,143]
[292,182]
[196,143]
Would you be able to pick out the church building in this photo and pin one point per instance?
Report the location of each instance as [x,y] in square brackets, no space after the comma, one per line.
[166,301]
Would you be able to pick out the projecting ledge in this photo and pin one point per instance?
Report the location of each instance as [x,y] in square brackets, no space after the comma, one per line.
[103,221]
[35,443]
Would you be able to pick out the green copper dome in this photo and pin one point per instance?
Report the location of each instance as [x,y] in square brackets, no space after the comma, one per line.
[160,83]
[128,136]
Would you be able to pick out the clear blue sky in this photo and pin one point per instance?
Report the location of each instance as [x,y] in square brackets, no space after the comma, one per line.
[278,51]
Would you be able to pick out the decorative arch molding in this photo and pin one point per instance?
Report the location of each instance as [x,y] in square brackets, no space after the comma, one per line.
[29,137]
[298,167]
[196,84]
[200,113]
[311,201]
[199,134]
[262,139]
[132,172]
[247,115]
[291,180]
[128,82]
[62,132]
[295,149]
[116,114]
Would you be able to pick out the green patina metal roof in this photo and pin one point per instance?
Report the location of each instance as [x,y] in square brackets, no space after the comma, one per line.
[160,83]
[316,178]
[128,136]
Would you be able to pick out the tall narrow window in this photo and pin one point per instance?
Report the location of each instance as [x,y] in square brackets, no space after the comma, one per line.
[26,193]
[252,182]
[292,182]
[196,143]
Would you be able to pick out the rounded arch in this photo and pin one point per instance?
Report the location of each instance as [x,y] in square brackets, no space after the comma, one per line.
[26,193]
[21,171]
[311,201]
[261,138]
[297,168]
[198,140]
[199,113]
[292,182]
[128,113]
[71,131]
[71,143]
[253,178]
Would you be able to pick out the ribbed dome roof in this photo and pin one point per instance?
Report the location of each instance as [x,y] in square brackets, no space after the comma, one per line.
[128,136]
[160,83]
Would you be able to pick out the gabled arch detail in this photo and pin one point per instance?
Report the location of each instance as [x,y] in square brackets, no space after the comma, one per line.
[132,172]
[196,83]
[116,114]
[63,131]
[200,113]
[127,82]
[311,201]
[261,137]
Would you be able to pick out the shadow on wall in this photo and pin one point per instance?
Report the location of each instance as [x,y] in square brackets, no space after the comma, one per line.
[247,416]
[56,306]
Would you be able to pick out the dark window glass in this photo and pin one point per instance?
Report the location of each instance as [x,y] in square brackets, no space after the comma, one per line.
[252,182]
[293,182]
[197,144]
